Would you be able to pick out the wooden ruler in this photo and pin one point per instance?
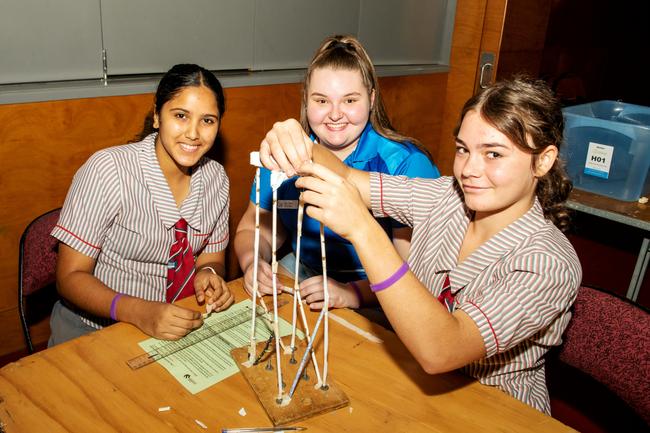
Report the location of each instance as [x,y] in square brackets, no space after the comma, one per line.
[203,333]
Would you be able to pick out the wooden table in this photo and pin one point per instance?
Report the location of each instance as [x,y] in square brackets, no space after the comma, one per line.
[86,386]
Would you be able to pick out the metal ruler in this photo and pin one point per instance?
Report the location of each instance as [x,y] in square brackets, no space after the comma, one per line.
[203,333]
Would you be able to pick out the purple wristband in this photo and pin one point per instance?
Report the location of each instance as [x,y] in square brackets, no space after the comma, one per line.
[357,290]
[399,273]
[114,305]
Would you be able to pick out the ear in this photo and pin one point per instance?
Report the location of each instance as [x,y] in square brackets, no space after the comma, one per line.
[372,99]
[545,160]
[156,120]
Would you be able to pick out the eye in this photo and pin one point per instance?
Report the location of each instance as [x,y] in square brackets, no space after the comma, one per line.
[209,120]
[180,115]
[350,101]
[320,101]
[493,155]
[461,150]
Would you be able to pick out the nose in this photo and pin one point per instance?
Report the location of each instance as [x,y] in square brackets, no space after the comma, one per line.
[335,113]
[472,165]
[192,130]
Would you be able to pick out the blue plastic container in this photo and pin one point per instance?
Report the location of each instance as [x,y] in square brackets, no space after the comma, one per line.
[607,148]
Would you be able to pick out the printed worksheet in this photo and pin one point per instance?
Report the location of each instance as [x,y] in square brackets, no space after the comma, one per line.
[202,358]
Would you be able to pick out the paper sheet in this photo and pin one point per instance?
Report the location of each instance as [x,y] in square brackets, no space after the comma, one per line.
[207,362]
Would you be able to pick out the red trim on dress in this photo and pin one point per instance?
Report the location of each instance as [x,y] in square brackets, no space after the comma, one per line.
[489,324]
[77,237]
[219,241]
[381,195]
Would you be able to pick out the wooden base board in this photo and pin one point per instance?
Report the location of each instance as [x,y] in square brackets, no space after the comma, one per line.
[307,401]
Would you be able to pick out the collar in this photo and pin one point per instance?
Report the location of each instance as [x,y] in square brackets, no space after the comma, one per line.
[367,147]
[162,197]
[494,249]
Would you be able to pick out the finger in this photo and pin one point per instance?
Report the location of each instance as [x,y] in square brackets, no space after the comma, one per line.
[186,314]
[224,302]
[265,156]
[199,289]
[316,306]
[275,139]
[317,170]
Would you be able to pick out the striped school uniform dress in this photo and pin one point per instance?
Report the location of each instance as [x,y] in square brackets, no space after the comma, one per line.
[120,211]
[518,287]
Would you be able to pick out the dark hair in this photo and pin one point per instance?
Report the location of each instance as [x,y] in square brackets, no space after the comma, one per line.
[174,81]
[346,52]
[188,75]
[527,112]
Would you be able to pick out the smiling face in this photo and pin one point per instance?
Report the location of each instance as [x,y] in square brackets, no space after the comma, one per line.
[338,108]
[187,127]
[496,176]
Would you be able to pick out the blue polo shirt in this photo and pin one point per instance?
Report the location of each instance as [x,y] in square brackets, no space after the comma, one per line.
[373,153]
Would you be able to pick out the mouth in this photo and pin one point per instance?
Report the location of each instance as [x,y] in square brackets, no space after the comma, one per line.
[336,126]
[190,148]
[473,188]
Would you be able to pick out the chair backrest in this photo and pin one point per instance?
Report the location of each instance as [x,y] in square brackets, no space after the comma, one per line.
[609,339]
[36,264]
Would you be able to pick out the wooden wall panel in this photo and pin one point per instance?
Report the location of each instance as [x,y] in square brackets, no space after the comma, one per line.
[43,144]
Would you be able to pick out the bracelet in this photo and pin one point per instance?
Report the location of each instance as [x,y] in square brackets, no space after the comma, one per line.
[208,267]
[357,291]
[399,273]
[114,305]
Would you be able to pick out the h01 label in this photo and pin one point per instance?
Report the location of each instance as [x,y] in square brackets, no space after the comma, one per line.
[599,160]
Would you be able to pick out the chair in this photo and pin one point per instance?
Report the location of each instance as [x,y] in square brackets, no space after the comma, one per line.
[36,272]
[599,378]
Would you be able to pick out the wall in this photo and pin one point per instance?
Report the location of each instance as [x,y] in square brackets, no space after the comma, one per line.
[587,50]
[43,144]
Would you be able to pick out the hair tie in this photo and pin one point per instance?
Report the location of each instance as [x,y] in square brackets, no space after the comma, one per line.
[339,44]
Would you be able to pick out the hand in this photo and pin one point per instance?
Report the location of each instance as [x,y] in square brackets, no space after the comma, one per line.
[286,147]
[264,279]
[213,289]
[341,295]
[165,321]
[334,201]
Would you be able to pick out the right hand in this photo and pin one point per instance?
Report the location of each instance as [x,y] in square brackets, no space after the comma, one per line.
[166,321]
[264,279]
[286,147]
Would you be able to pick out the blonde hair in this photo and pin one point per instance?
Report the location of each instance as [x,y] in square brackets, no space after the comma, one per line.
[346,52]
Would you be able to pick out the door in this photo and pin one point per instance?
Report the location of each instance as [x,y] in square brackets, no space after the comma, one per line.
[477,29]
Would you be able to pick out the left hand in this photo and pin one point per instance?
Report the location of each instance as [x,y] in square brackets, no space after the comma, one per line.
[212,289]
[333,201]
[341,294]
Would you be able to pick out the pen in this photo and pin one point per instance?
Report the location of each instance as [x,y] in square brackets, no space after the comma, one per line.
[261,429]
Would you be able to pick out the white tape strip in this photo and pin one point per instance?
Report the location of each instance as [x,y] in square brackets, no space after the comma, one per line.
[366,334]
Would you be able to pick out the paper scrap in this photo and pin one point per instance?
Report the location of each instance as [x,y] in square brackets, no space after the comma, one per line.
[242,412]
[164,409]
[201,424]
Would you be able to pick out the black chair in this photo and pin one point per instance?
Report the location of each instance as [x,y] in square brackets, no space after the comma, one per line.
[37,272]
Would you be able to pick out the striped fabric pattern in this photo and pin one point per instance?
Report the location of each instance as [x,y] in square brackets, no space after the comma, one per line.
[120,211]
[518,287]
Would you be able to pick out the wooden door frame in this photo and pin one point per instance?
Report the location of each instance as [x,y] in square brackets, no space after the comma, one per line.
[478,27]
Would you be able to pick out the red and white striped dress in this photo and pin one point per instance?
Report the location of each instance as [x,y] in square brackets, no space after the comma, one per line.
[120,211]
[518,287]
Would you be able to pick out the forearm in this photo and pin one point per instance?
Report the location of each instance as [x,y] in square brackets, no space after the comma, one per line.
[439,341]
[245,251]
[212,262]
[89,294]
